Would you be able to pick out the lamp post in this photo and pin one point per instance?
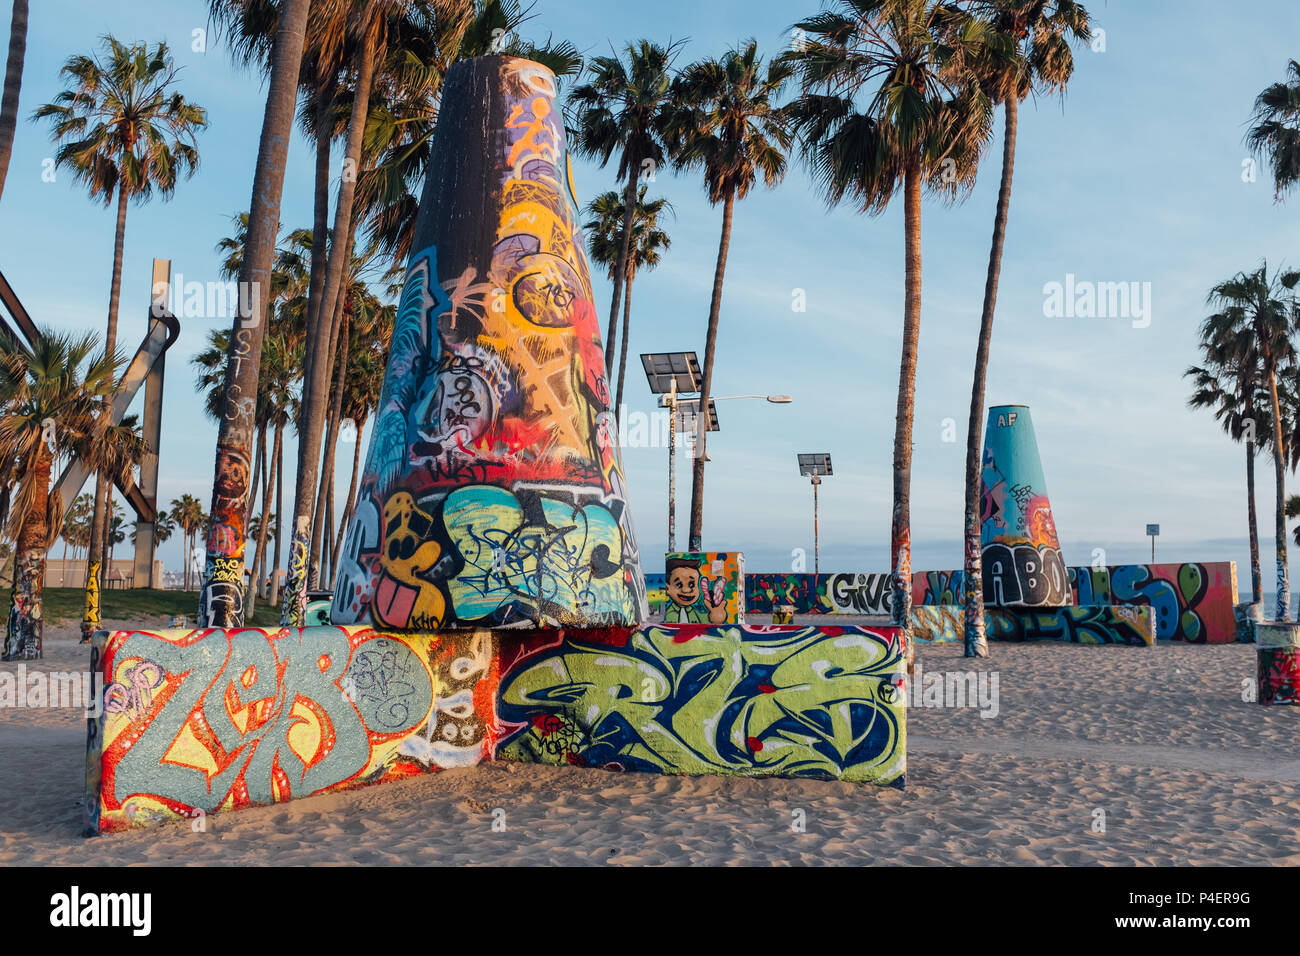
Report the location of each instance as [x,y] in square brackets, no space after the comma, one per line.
[814,466]
[670,374]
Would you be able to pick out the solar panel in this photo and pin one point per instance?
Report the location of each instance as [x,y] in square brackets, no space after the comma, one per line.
[662,368]
[815,463]
[688,410]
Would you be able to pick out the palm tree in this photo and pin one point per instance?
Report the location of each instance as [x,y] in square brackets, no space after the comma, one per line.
[13,83]
[605,238]
[163,528]
[1029,50]
[51,396]
[1253,325]
[367,363]
[726,122]
[116,531]
[235,435]
[888,102]
[1275,133]
[76,527]
[123,130]
[1231,390]
[624,107]
[187,512]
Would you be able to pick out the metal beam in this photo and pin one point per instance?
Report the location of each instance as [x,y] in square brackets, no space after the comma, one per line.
[20,316]
[151,427]
[162,333]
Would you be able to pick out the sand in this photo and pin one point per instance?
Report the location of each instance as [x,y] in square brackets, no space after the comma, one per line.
[1157,739]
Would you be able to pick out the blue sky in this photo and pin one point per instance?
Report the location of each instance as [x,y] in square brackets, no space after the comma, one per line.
[1136,176]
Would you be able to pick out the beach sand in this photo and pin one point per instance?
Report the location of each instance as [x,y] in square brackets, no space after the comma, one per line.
[1157,739]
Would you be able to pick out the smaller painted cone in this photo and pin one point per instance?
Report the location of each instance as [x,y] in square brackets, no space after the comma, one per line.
[1019,551]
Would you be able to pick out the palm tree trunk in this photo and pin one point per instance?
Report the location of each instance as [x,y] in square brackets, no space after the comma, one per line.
[1279,461]
[260,550]
[1256,576]
[329,526]
[314,397]
[701,421]
[622,354]
[23,637]
[273,596]
[320,236]
[221,600]
[98,551]
[976,640]
[620,268]
[352,497]
[321,212]
[323,515]
[260,444]
[105,543]
[900,532]
[13,83]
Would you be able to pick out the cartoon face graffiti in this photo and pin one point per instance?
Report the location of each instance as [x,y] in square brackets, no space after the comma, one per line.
[404,596]
[684,588]
[683,585]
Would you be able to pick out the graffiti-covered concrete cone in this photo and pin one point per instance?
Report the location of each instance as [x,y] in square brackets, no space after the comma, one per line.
[493,491]
[1019,550]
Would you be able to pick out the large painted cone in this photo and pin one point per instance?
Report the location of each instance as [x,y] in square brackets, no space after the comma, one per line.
[493,491]
[1019,550]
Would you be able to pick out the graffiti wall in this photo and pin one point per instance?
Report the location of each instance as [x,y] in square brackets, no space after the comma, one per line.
[1019,551]
[201,721]
[654,593]
[704,588]
[197,722]
[493,492]
[851,592]
[940,624]
[937,623]
[765,592]
[937,588]
[1278,662]
[1077,625]
[1191,602]
[780,701]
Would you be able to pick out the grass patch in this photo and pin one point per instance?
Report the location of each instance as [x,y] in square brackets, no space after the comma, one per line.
[149,607]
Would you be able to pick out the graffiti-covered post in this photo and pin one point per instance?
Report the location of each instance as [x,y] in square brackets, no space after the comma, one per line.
[493,491]
[1019,551]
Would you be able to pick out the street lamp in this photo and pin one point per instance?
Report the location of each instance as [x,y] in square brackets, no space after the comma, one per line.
[670,374]
[815,465]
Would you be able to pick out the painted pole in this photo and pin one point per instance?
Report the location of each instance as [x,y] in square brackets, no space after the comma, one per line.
[1019,549]
[493,490]
[672,465]
[817,548]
